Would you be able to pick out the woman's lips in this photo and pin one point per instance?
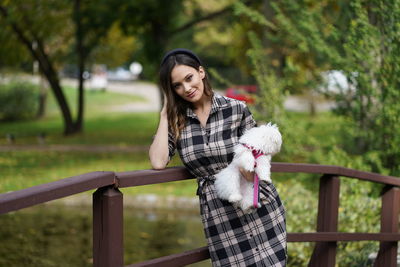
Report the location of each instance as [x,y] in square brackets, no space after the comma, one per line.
[192,94]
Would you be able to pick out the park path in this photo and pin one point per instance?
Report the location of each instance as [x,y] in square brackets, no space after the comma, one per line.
[150,92]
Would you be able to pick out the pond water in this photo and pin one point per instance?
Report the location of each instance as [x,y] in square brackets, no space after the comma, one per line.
[61,235]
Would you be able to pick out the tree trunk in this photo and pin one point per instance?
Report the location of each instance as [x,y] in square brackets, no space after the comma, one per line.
[42,97]
[81,64]
[51,75]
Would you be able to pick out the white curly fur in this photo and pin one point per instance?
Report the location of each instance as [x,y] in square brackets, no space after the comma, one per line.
[229,184]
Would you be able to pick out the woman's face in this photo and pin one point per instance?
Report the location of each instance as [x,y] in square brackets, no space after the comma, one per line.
[188,82]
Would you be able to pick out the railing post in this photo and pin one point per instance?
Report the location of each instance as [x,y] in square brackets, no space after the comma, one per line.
[324,253]
[108,227]
[387,255]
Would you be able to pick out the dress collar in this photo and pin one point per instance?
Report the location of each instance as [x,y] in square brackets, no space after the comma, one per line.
[218,102]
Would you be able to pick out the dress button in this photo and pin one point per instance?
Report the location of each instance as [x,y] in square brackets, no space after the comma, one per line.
[257,249]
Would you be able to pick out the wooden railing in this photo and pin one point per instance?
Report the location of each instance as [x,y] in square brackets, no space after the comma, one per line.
[108,212]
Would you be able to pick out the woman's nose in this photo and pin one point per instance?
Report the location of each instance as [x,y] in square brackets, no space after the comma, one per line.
[186,86]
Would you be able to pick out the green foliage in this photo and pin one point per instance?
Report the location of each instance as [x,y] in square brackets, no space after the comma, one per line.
[18,101]
[360,38]
[114,49]
[315,141]
[271,91]
[152,22]
[372,50]
[255,16]
[44,21]
[12,53]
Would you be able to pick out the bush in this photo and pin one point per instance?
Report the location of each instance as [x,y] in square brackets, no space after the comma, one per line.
[18,101]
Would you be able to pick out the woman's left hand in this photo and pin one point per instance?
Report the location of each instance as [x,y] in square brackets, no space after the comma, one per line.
[247,175]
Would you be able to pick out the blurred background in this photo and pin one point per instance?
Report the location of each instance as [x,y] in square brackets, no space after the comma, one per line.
[78,93]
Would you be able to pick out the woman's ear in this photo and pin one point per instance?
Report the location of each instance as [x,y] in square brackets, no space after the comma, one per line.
[202,72]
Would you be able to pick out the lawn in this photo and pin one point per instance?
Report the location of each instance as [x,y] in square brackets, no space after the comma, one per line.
[101,126]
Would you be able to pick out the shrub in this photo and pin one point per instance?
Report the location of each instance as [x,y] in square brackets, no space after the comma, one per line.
[18,101]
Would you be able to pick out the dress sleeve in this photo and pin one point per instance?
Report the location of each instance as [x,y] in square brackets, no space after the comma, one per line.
[247,122]
[171,145]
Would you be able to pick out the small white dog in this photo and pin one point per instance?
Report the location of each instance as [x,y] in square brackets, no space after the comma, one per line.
[266,141]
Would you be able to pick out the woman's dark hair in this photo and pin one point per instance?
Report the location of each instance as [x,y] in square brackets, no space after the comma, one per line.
[176,106]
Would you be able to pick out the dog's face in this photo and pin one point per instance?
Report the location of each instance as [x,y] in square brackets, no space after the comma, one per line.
[272,138]
[266,138]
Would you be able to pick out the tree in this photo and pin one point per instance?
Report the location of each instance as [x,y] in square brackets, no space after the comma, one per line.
[47,29]
[38,23]
[92,20]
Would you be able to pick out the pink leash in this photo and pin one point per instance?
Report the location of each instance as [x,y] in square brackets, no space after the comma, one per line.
[256,192]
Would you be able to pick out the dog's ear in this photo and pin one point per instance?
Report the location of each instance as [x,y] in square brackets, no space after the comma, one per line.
[276,139]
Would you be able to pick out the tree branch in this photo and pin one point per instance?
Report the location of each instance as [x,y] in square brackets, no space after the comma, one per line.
[205,18]
[19,32]
[201,19]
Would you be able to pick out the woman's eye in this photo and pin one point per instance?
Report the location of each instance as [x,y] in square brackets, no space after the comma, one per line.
[189,78]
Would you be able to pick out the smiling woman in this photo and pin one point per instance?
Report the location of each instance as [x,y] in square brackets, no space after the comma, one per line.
[204,127]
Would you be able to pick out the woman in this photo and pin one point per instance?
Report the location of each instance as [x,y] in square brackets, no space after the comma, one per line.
[204,127]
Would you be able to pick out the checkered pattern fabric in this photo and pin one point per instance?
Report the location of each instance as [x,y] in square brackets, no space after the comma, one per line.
[234,238]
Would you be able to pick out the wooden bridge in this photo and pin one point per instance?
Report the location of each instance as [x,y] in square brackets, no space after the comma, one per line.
[108,248]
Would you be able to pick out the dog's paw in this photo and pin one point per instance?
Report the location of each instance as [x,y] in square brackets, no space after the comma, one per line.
[235,198]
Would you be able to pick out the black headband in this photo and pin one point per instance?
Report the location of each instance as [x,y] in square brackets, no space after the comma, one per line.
[180,51]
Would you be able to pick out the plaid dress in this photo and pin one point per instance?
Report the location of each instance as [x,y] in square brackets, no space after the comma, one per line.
[234,238]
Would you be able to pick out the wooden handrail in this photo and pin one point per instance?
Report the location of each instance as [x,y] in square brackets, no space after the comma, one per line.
[35,195]
[73,185]
[107,211]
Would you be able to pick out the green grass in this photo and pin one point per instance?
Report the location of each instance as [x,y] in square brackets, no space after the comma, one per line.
[97,102]
[101,126]
[108,129]
[114,126]
[22,169]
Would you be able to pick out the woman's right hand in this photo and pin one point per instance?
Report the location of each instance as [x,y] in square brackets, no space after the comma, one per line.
[247,175]
[158,152]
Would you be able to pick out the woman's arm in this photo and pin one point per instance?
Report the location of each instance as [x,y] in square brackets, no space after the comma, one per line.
[159,152]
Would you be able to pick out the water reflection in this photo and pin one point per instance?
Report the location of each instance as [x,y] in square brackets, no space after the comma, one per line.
[60,235]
